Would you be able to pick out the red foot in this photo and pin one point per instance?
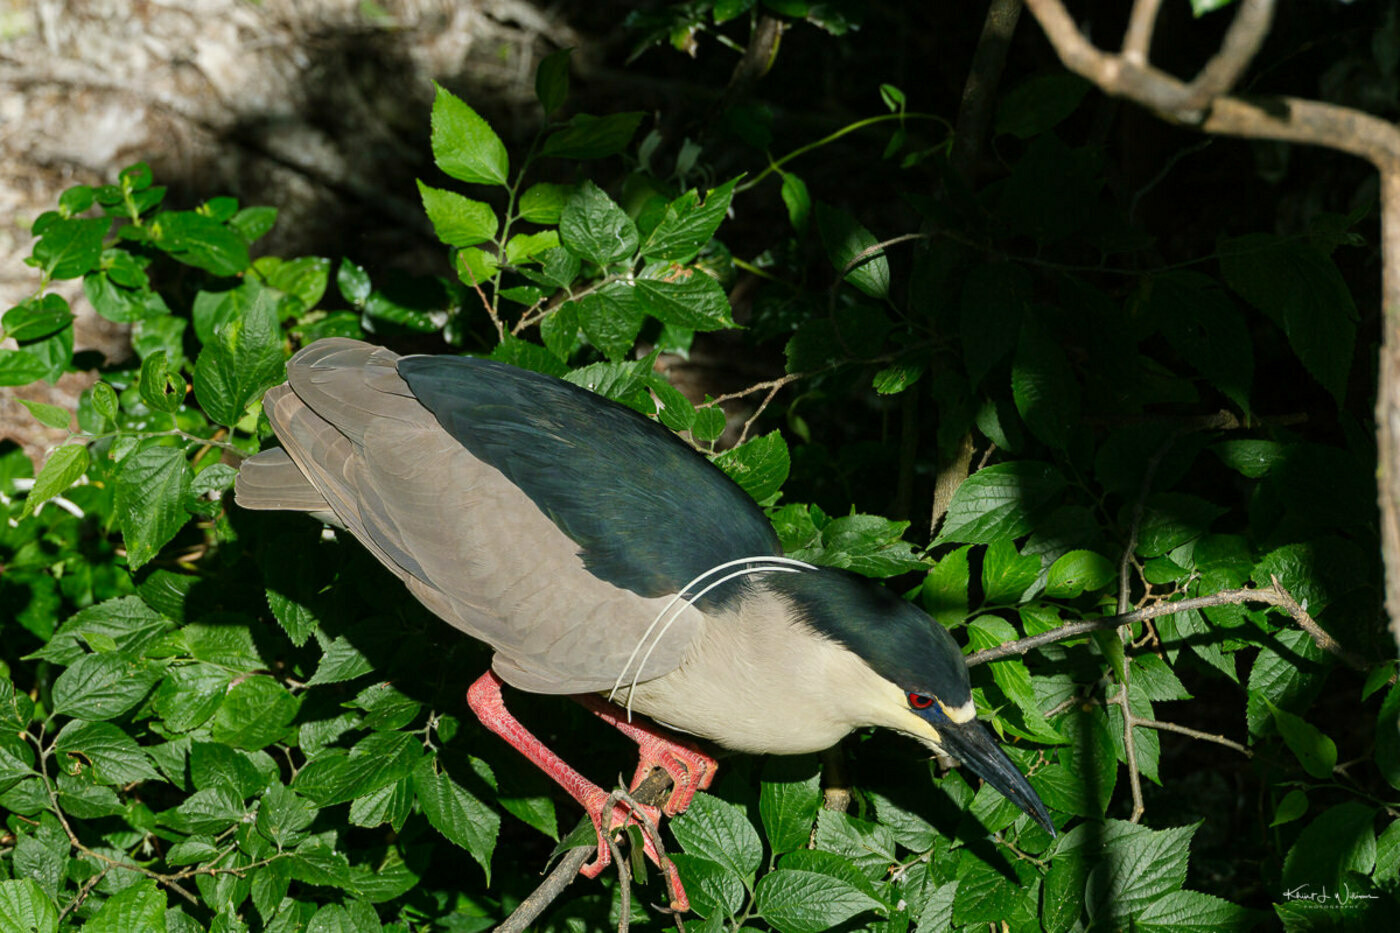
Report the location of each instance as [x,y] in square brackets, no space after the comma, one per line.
[689,768]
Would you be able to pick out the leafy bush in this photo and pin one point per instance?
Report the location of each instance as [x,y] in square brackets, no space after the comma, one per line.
[220,720]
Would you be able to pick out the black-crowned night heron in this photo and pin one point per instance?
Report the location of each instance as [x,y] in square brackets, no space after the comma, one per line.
[599,555]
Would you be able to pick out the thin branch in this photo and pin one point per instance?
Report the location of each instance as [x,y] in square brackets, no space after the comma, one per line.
[651,792]
[1195,734]
[1137,42]
[1273,595]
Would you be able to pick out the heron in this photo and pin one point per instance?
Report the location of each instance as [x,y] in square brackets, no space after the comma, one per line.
[601,556]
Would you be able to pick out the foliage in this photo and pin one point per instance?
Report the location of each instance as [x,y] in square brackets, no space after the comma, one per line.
[240,718]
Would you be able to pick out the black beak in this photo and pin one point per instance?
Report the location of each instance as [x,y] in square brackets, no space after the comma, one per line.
[972,744]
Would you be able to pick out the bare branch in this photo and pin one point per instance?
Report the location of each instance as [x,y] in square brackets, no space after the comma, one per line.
[1137,42]
[1195,734]
[1273,595]
[983,77]
[1241,44]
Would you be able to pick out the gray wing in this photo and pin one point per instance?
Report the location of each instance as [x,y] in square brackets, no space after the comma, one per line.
[465,540]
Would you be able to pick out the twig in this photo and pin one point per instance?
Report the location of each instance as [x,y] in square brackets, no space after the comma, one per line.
[1137,41]
[1273,595]
[651,792]
[1195,734]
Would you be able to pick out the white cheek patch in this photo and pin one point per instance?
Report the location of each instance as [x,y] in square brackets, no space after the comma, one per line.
[959,714]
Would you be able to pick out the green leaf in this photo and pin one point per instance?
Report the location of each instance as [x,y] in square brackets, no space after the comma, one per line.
[845,240]
[353,282]
[151,487]
[160,389]
[944,591]
[1000,501]
[1339,840]
[991,309]
[593,227]
[1140,866]
[282,815]
[543,203]
[304,279]
[1301,290]
[206,811]
[25,908]
[114,756]
[808,902]
[1316,752]
[458,221]
[789,800]
[524,247]
[760,465]
[1044,386]
[721,832]
[1171,519]
[70,248]
[797,201]
[1193,912]
[1293,805]
[254,714]
[688,224]
[552,80]
[1007,574]
[340,661]
[869,845]
[589,137]
[18,368]
[16,709]
[63,468]
[685,297]
[1039,104]
[611,319]
[139,907]
[200,241]
[464,145]
[1077,571]
[37,318]
[253,223]
[456,813]
[243,359]
[101,686]
[714,890]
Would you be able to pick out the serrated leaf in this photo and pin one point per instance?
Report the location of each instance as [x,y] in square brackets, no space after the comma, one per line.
[458,221]
[1000,501]
[714,890]
[686,298]
[456,813]
[464,145]
[200,241]
[1140,866]
[63,468]
[1007,574]
[593,227]
[101,686]
[243,359]
[760,465]
[1077,571]
[25,908]
[114,756]
[139,907]
[688,224]
[283,814]
[611,318]
[36,318]
[718,830]
[1341,839]
[789,800]
[151,487]
[807,902]
[254,713]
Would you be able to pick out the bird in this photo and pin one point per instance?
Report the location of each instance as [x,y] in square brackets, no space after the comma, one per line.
[601,556]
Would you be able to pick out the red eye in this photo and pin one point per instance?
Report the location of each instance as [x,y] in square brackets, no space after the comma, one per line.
[919,701]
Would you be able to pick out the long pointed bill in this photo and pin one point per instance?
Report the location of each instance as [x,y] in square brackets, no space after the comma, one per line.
[971,743]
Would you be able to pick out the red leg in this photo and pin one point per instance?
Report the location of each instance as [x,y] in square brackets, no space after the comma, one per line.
[690,769]
[484,697]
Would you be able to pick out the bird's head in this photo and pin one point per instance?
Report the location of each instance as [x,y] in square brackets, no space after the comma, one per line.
[931,698]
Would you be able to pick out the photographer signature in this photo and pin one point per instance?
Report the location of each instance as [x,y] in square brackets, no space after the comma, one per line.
[1322,897]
